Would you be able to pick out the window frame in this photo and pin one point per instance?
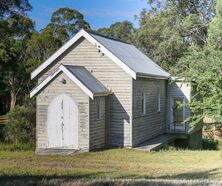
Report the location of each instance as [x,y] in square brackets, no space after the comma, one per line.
[183,108]
[98,109]
[158,100]
[143,101]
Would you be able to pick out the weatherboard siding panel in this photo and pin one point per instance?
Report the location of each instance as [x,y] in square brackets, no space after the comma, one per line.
[83,53]
[153,123]
[97,126]
[46,96]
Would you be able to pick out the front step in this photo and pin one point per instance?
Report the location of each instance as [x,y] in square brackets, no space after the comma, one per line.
[63,152]
[155,143]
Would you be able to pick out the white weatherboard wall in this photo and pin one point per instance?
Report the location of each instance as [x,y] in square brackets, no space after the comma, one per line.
[153,122]
[83,53]
[47,95]
[178,90]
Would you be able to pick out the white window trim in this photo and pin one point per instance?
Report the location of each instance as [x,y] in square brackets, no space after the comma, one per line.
[98,111]
[158,100]
[184,108]
[144,103]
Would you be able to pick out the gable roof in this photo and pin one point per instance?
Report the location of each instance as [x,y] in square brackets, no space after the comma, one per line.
[125,55]
[80,76]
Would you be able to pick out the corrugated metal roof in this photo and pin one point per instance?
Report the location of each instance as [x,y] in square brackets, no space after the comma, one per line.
[83,75]
[131,56]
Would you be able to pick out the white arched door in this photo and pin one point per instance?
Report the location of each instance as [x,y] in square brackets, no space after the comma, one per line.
[62,123]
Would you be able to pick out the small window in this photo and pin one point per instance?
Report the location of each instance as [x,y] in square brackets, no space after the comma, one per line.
[178,110]
[143,103]
[98,109]
[158,100]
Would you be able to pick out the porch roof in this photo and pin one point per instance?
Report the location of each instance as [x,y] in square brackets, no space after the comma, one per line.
[80,76]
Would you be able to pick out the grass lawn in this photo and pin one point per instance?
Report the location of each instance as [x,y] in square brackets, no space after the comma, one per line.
[113,164]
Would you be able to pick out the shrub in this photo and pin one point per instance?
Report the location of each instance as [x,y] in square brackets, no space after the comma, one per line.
[16,147]
[20,127]
[210,143]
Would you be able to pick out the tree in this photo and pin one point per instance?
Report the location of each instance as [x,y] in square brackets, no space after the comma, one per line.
[14,27]
[215,29]
[120,30]
[65,22]
[12,7]
[20,127]
[203,67]
[38,50]
[171,27]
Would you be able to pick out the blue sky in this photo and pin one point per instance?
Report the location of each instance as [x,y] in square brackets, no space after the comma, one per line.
[99,13]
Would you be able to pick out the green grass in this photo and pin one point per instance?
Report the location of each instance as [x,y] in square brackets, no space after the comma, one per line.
[113,164]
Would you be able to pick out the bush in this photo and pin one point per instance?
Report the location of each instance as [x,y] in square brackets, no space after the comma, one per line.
[16,147]
[211,144]
[20,127]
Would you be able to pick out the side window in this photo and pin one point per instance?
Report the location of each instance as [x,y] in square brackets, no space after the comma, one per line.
[98,109]
[158,100]
[143,100]
[178,111]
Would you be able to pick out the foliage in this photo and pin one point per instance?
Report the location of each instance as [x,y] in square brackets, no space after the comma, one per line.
[215,28]
[202,66]
[65,22]
[211,144]
[21,124]
[38,50]
[15,31]
[171,27]
[9,7]
[120,30]
[22,49]
[17,147]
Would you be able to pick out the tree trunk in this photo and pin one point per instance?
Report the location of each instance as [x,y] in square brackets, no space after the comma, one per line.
[12,100]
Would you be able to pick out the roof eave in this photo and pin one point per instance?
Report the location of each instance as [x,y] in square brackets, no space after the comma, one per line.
[144,75]
[91,39]
[102,94]
[63,69]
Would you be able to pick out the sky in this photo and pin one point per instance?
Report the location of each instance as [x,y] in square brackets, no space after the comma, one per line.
[99,13]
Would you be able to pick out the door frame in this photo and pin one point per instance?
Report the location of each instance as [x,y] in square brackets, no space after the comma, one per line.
[171,113]
[75,140]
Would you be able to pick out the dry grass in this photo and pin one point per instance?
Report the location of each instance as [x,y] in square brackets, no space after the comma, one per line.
[112,164]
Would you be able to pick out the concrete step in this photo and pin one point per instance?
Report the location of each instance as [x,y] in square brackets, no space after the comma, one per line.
[155,143]
[51,151]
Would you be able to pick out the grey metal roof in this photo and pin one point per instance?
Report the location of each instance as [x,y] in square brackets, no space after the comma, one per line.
[131,56]
[83,75]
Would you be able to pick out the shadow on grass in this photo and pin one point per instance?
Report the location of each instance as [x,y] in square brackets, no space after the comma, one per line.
[210,174]
[113,178]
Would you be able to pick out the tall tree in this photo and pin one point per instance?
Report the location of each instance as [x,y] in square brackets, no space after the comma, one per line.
[215,29]
[39,50]
[10,7]
[202,65]
[120,30]
[15,29]
[170,27]
[13,56]
[65,22]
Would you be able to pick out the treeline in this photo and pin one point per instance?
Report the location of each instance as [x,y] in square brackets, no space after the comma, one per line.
[184,37]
